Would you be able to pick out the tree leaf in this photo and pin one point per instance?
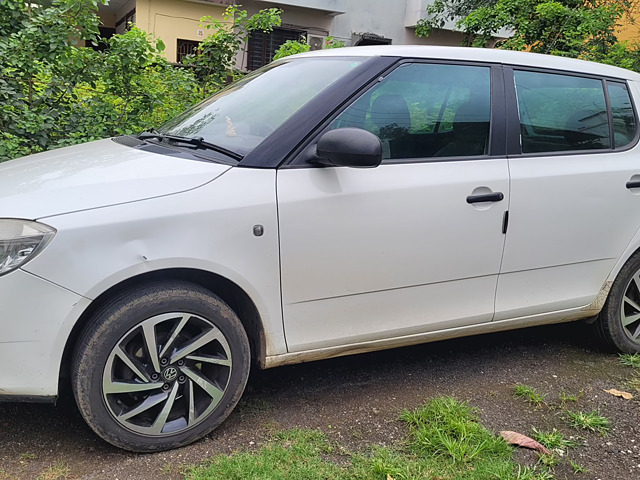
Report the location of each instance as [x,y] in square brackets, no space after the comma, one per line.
[515,438]
[618,393]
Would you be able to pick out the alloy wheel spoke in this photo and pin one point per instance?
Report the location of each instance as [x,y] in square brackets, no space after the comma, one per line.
[636,335]
[148,403]
[635,306]
[197,343]
[212,390]
[628,320]
[174,334]
[129,362]
[636,280]
[111,387]
[192,403]
[161,420]
[208,359]
[149,333]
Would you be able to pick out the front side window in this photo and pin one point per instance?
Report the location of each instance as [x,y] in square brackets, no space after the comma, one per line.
[426,110]
[561,113]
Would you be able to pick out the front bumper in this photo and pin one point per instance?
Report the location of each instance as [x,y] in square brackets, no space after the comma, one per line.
[36,318]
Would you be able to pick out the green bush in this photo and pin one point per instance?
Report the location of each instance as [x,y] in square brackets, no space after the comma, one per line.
[54,94]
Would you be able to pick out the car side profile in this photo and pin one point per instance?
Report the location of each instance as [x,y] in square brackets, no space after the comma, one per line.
[330,203]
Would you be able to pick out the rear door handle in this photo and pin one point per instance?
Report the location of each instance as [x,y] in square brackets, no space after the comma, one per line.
[633,184]
[486,197]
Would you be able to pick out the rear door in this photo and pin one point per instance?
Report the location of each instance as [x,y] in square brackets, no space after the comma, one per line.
[572,209]
[415,244]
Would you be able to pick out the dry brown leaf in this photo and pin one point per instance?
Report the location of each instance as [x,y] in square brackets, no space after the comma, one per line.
[618,393]
[515,438]
[389,477]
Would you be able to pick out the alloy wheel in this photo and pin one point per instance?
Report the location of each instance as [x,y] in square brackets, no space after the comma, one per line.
[630,309]
[167,374]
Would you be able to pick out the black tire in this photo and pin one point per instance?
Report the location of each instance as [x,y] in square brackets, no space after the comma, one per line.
[198,388]
[610,324]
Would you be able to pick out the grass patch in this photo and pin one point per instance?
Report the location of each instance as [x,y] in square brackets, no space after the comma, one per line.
[577,468]
[530,394]
[446,440]
[27,457]
[548,460]
[553,440]
[58,471]
[634,383]
[4,475]
[592,421]
[630,360]
[293,454]
[566,397]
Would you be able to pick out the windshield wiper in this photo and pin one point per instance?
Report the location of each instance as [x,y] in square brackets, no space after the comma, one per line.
[197,142]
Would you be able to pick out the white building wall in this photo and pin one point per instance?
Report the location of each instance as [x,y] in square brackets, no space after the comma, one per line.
[391,19]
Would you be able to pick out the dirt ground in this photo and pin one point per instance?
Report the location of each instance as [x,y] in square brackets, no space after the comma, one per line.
[356,401]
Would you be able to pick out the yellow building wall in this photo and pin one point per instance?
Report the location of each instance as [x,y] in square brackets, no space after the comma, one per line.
[630,29]
[170,20]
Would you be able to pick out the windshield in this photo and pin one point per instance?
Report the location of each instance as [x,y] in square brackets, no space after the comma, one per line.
[239,117]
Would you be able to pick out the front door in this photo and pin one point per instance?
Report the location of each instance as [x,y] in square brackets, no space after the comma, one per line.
[413,245]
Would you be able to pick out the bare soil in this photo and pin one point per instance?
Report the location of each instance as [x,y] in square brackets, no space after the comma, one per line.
[356,401]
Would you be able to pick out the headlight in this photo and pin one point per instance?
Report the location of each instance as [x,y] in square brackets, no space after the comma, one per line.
[20,241]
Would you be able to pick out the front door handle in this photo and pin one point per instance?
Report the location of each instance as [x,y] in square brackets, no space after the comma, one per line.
[633,184]
[485,197]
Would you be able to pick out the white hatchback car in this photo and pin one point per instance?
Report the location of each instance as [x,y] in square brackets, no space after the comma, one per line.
[502,190]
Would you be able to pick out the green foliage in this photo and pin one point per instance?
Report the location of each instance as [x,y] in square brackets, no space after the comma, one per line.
[291,47]
[572,28]
[331,42]
[53,93]
[136,89]
[215,61]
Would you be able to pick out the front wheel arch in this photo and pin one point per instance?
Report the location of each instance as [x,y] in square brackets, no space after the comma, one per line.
[228,291]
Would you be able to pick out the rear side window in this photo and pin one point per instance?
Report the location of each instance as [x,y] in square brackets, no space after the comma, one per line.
[424,110]
[624,122]
[562,112]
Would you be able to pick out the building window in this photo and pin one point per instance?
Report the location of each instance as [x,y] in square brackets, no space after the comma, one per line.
[103,42]
[186,47]
[122,25]
[262,46]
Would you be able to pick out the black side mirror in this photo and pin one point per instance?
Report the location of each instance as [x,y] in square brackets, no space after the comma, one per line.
[350,147]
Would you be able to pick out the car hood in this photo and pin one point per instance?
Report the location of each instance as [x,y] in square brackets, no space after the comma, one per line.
[92,175]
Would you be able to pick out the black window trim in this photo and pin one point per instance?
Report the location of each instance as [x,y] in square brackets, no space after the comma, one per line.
[514,146]
[497,122]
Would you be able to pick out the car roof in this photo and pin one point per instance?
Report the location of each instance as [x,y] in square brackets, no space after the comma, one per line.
[493,55]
